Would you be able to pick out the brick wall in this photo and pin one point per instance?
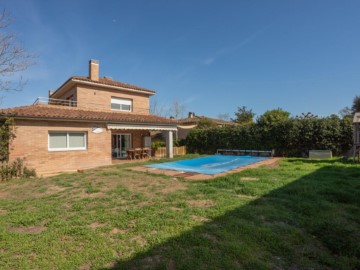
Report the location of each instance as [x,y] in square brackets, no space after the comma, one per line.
[136,136]
[31,143]
[101,96]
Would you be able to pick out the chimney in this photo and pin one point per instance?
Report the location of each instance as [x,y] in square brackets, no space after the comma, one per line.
[191,114]
[50,93]
[94,70]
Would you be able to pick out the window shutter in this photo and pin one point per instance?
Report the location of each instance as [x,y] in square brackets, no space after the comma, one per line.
[57,140]
[121,104]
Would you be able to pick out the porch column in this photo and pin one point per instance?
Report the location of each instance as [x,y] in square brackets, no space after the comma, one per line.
[169,144]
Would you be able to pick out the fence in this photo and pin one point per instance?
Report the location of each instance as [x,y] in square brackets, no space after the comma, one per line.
[161,151]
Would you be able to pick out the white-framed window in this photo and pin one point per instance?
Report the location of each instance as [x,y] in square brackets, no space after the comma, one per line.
[67,141]
[121,104]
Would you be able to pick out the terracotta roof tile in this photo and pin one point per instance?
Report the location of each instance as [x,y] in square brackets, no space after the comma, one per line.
[195,119]
[111,82]
[73,113]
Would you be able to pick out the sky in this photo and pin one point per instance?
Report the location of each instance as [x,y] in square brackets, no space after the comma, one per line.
[211,56]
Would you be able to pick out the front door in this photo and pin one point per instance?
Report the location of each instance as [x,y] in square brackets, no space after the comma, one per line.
[120,144]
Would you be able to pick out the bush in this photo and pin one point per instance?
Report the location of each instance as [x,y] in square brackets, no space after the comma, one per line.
[179,142]
[155,145]
[15,169]
[7,134]
[292,137]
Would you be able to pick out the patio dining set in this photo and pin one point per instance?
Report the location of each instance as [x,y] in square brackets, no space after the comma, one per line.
[138,153]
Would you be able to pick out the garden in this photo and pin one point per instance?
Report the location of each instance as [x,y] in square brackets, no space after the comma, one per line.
[299,214]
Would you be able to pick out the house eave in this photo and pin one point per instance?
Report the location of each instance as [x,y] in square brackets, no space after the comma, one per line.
[72,82]
[142,126]
[112,123]
[114,87]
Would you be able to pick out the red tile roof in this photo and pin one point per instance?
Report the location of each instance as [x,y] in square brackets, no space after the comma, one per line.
[73,113]
[108,82]
[195,119]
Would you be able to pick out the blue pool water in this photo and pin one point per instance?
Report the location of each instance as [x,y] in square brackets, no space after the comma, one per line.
[208,165]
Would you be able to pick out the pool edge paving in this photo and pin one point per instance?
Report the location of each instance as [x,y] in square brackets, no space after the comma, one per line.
[211,165]
[200,176]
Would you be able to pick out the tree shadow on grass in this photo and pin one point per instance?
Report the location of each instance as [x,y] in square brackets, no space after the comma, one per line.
[311,223]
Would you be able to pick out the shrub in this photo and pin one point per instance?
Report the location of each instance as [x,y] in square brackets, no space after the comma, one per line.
[179,142]
[205,123]
[292,137]
[7,134]
[155,145]
[15,169]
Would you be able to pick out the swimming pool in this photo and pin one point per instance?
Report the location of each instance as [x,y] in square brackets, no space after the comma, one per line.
[208,165]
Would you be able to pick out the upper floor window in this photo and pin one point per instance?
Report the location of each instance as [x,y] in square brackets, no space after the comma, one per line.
[121,104]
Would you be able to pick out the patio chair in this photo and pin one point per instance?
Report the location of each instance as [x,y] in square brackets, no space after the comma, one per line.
[145,153]
[130,153]
[137,153]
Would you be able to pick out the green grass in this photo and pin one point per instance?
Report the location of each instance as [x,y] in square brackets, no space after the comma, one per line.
[303,214]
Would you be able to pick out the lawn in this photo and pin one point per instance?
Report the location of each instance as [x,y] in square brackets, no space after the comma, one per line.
[301,214]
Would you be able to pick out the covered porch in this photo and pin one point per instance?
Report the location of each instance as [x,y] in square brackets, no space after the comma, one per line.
[133,142]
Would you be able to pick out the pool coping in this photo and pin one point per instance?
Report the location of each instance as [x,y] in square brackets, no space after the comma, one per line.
[200,176]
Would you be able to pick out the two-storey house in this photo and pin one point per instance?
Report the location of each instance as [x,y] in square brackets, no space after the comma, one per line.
[87,122]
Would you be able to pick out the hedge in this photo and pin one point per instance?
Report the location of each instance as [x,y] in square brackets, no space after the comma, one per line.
[293,137]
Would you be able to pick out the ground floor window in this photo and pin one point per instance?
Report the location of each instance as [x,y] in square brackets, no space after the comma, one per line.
[64,141]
